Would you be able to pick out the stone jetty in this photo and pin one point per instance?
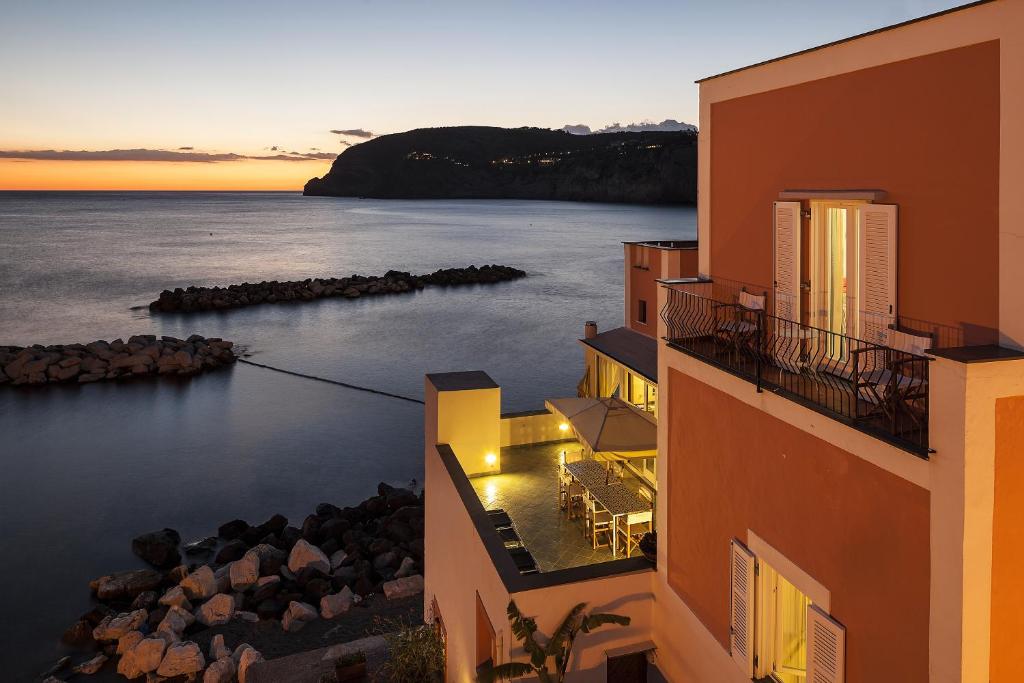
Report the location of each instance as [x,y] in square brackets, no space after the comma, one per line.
[142,355]
[193,299]
[192,618]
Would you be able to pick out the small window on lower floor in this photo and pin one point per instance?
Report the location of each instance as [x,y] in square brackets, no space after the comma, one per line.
[641,311]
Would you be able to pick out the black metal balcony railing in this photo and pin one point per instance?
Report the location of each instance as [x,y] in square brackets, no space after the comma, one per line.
[876,389]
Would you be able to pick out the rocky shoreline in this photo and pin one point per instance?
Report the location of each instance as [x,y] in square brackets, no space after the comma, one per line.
[277,576]
[141,356]
[194,299]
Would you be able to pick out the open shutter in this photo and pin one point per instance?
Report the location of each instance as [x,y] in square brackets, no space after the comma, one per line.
[786,238]
[877,272]
[826,648]
[741,622]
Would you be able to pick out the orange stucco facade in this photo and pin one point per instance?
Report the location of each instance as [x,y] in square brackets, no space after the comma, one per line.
[860,531]
[924,130]
[645,265]
[1007,657]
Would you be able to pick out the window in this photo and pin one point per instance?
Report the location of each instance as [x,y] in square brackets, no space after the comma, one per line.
[641,311]
[782,641]
[486,645]
[641,393]
[776,631]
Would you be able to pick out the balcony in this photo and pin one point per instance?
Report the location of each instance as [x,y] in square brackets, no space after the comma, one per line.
[876,389]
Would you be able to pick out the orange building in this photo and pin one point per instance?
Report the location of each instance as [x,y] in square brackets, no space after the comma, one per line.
[837,488]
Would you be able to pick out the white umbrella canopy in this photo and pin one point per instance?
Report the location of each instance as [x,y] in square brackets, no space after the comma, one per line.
[607,425]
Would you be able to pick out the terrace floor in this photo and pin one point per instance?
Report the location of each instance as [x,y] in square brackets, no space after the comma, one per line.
[527,489]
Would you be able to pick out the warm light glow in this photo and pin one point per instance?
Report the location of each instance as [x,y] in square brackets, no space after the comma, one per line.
[156,175]
[564,427]
[490,494]
[490,459]
[561,457]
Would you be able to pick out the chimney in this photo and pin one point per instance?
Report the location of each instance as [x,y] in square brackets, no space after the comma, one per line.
[589,329]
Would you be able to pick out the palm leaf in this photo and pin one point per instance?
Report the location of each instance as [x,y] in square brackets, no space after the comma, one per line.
[523,628]
[593,621]
[504,672]
[568,626]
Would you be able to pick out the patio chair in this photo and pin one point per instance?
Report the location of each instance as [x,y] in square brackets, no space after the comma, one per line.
[599,523]
[893,386]
[576,502]
[524,560]
[739,323]
[500,518]
[631,528]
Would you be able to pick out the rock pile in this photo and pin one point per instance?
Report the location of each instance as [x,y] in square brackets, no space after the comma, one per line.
[193,299]
[142,355]
[147,619]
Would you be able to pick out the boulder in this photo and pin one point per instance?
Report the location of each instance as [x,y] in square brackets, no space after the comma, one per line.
[128,641]
[248,657]
[216,611]
[181,659]
[243,615]
[178,574]
[232,550]
[333,606]
[126,585]
[297,615]
[159,548]
[220,671]
[304,555]
[404,587]
[204,546]
[148,654]
[91,666]
[244,573]
[145,600]
[407,568]
[79,634]
[271,558]
[174,623]
[337,558]
[176,596]
[218,650]
[266,587]
[200,584]
[233,529]
[275,524]
[112,628]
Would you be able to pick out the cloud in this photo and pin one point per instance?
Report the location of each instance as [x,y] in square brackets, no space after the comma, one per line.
[274,148]
[353,133]
[666,125]
[577,129]
[186,149]
[345,142]
[156,155]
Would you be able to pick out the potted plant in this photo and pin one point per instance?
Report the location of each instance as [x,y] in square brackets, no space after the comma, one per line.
[649,545]
[351,667]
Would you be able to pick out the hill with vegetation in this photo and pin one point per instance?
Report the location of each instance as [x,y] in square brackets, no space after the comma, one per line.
[479,162]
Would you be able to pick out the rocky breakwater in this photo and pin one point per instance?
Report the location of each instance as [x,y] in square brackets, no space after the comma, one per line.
[277,577]
[142,355]
[192,299]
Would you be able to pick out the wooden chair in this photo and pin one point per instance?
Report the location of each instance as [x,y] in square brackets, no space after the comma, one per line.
[599,523]
[739,323]
[631,528]
[894,387]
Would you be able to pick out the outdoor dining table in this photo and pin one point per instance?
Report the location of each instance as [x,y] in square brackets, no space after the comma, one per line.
[617,498]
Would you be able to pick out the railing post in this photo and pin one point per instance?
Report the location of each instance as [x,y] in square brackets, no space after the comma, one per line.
[759,348]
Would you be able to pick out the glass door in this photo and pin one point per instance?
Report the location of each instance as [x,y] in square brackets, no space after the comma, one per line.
[833,260]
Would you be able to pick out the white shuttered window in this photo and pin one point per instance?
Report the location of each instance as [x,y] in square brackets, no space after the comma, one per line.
[786,243]
[741,621]
[826,648]
[877,272]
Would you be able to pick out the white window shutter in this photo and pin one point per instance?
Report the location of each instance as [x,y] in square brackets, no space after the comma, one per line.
[786,241]
[741,621]
[877,272]
[826,648]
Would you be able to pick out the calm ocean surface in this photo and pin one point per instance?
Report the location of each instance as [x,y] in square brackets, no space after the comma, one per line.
[84,469]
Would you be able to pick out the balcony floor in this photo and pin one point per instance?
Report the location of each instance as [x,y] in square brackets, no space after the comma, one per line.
[527,489]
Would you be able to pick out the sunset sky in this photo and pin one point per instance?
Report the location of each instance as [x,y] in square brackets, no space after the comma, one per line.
[246,94]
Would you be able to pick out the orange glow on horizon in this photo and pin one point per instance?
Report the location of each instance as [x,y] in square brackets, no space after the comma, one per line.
[158,175]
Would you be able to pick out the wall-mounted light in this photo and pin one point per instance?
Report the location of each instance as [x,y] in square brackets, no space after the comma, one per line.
[490,459]
[564,427]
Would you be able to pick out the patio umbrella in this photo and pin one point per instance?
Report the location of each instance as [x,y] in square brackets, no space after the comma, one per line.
[608,425]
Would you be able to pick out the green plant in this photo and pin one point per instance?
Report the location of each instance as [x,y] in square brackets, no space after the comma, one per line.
[559,646]
[415,651]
